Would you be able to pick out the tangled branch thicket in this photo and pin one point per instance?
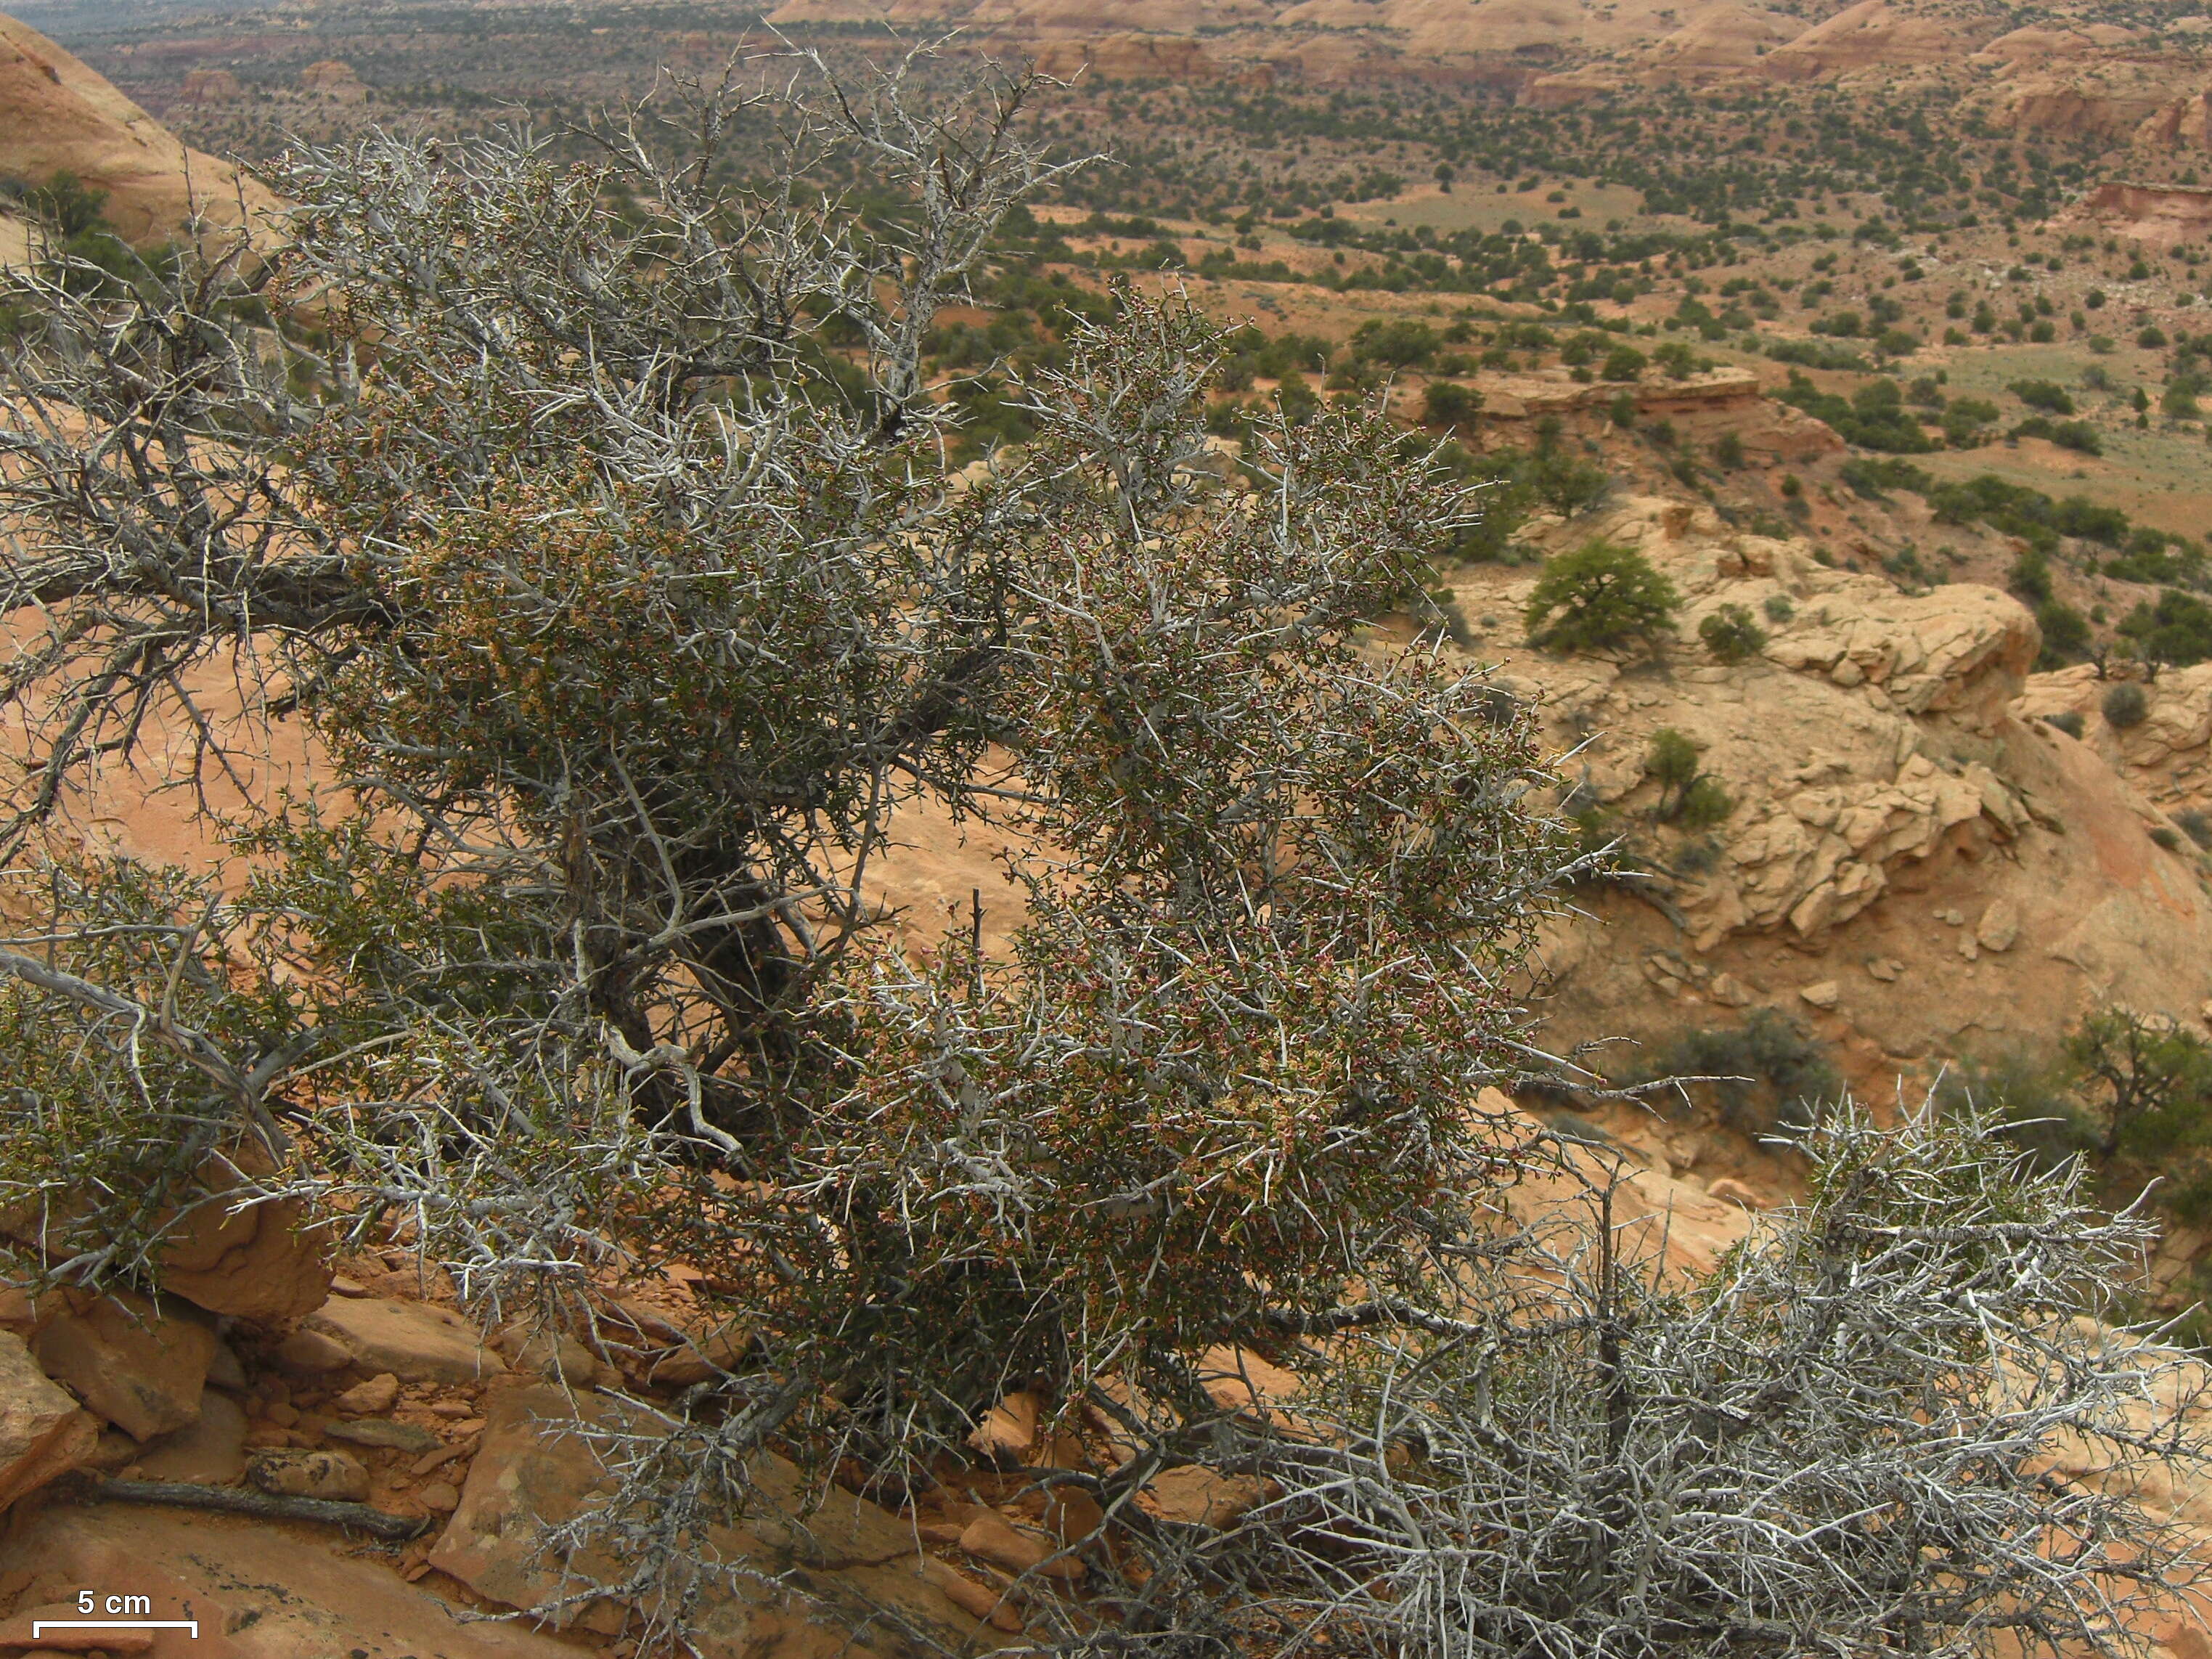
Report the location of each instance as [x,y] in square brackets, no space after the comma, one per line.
[612,560]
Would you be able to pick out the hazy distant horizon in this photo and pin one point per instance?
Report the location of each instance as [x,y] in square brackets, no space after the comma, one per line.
[60,18]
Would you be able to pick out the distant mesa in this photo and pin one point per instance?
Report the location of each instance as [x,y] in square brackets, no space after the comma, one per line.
[1142,57]
[2060,75]
[1722,43]
[1873,34]
[211,86]
[58,116]
[1082,19]
[332,79]
[2041,43]
[1734,44]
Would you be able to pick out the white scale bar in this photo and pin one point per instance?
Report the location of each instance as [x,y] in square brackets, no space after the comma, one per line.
[39,1625]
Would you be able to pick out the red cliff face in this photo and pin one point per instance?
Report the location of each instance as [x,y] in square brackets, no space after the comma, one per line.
[2164,215]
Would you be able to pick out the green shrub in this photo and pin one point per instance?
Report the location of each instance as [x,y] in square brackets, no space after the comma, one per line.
[1731,635]
[2033,1095]
[1567,486]
[2030,575]
[1873,417]
[2195,825]
[1728,451]
[2177,629]
[2046,395]
[1401,342]
[1688,797]
[1671,762]
[1600,597]
[1503,503]
[2125,706]
[1704,805]
[2146,1084]
[1623,362]
[2023,511]
[1700,856]
[1768,1073]
[2130,1093]
[63,206]
[2077,435]
[2068,720]
[1814,354]
[1447,402]
[2065,634]
[1967,422]
[1777,608]
[1872,478]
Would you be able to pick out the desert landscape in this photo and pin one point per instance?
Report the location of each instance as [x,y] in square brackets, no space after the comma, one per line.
[782,878]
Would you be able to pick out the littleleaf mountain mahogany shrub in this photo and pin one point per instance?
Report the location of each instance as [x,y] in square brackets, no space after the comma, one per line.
[610,569]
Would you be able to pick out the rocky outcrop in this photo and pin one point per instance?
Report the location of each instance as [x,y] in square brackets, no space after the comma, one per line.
[258,1592]
[538,1469]
[209,1451]
[1681,1230]
[414,1341]
[2184,124]
[43,1432]
[226,1252]
[809,1565]
[247,1259]
[2161,216]
[2079,105]
[1569,88]
[1905,866]
[1700,407]
[139,1365]
[56,116]
[2167,755]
